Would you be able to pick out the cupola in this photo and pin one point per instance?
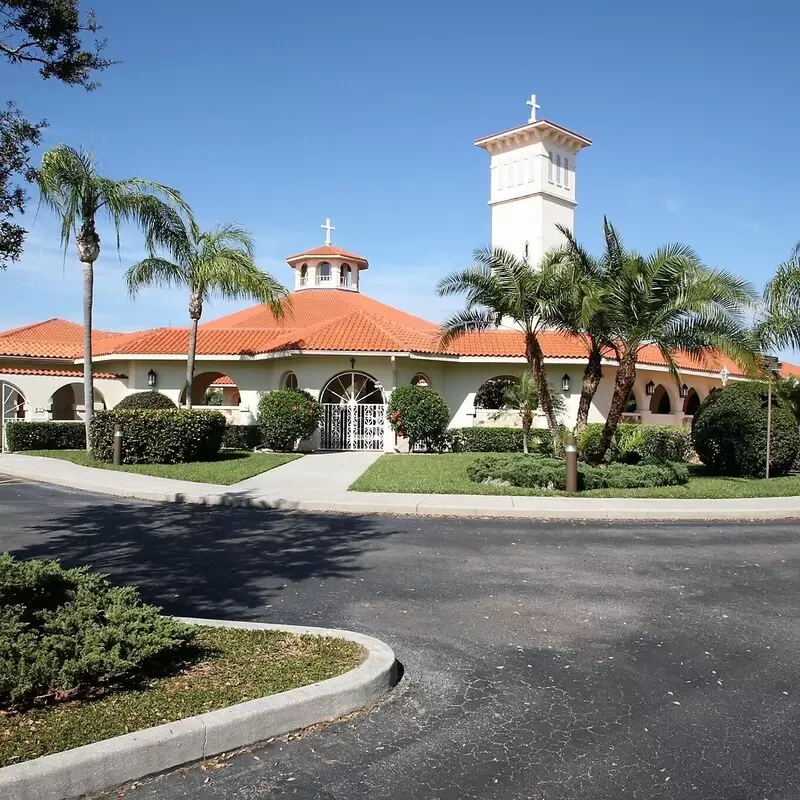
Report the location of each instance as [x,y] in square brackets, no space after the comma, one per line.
[327,267]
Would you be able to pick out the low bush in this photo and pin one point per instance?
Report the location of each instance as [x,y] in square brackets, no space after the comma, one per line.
[633,443]
[534,472]
[45,436]
[69,631]
[142,401]
[286,417]
[729,431]
[420,415]
[159,437]
[241,437]
[500,440]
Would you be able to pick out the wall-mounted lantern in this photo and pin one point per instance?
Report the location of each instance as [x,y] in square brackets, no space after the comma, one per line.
[650,389]
[151,379]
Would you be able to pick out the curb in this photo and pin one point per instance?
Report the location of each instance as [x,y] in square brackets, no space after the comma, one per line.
[431,505]
[113,762]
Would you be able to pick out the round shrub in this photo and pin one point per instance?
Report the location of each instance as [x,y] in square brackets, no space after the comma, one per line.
[286,417]
[159,437]
[533,472]
[419,414]
[142,401]
[68,631]
[729,431]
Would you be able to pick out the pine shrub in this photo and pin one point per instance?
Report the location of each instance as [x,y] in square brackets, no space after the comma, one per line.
[142,401]
[729,431]
[45,436]
[69,631]
[286,417]
[159,437]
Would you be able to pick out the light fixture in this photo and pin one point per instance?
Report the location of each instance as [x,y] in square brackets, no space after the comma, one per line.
[352,363]
[684,390]
[565,383]
[650,389]
[151,378]
[724,374]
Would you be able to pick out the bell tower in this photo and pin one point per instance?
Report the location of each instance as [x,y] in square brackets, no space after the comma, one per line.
[533,182]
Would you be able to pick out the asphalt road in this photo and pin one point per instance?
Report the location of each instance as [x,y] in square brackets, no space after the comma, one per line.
[557,661]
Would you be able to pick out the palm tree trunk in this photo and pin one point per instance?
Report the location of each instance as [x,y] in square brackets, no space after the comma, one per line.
[626,377]
[535,358]
[88,244]
[527,422]
[592,375]
[195,312]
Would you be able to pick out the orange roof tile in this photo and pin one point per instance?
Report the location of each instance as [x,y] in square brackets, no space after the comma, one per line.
[52,338]
[57,373]
[329,250]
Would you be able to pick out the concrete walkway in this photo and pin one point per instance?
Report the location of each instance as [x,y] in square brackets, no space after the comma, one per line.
[319,482]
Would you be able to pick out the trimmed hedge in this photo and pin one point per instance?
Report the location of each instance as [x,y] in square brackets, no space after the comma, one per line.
[159,437]
[500,440]
[286,417]
[729,431]
[68,631]
[633,442]
[421,415]
[241,437]
[45,436]
[551,473]
[141,401]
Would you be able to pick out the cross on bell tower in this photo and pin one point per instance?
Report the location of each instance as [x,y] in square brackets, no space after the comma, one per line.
[327,227]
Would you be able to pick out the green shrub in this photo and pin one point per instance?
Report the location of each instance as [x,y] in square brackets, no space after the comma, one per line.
[286,417]
[141,401]
[729,431]
[633,442]
[159,437]
[67,631]
[241,437]
[534,472]
[421,415]
[45,436]
[500,440]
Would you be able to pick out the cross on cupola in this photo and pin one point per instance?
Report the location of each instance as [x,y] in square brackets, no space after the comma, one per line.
[327,227]
[534,107]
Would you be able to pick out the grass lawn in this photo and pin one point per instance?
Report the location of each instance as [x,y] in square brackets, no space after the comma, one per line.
[231,666]
[447,474]
[231,466]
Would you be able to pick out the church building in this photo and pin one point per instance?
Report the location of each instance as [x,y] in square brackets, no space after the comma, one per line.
[349,350]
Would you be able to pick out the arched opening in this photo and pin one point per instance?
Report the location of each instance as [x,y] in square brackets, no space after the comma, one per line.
[421,380]
[691,404]
[213,389]
[491,395]
[289,380]
[354,413]
[63,403]
[346,277]
[324,272]
[660,402]
[304,274]
[631,404]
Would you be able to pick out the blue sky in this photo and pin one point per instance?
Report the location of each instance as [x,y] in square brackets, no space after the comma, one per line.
[277,115]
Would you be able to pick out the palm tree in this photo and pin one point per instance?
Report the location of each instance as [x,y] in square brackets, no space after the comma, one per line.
[778,326]
[219,261]
[70,184]
[523,397]
[669,299]
[580,310]
[500,287]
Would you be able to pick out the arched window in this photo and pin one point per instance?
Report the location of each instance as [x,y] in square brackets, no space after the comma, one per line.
[346,277]
[324,273]
[303,274]
[289,381]
[421,380]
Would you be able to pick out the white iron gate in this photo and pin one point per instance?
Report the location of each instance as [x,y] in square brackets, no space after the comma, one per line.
[12,408]
[352,426]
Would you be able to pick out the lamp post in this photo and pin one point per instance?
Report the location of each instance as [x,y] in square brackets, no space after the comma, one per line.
[724,374]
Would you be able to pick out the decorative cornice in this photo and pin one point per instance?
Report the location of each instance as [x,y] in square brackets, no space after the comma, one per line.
[532,132]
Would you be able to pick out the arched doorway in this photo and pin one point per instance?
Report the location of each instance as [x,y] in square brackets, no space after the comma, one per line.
[353,413]
[691,404]
[660,402]
[12,408]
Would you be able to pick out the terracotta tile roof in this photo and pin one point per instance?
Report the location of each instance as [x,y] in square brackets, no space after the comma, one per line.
[790,370]
[53,338]
[329,250]
[58,373]
[223,380]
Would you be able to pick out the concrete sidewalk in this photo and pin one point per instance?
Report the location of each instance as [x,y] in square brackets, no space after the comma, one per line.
[319,482]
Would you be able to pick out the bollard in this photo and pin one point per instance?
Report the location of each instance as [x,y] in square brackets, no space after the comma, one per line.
[117,444]
[571,457]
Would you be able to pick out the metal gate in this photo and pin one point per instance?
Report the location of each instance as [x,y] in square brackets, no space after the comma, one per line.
[352,426]
[12,408]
